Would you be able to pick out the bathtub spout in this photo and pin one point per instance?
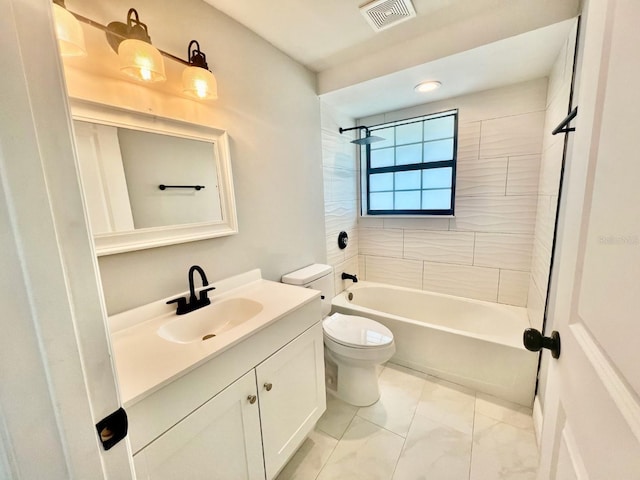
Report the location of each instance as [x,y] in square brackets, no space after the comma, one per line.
[348,276]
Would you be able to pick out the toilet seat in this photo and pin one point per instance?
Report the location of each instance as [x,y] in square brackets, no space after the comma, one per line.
[356,332]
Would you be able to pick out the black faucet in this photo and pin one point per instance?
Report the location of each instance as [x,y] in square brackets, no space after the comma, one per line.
[348,276]
[194,302]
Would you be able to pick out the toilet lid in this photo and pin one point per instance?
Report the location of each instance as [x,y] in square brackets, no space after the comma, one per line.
[354,331]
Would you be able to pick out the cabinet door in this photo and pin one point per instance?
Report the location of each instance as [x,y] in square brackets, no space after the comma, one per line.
[220,440]
[292,396]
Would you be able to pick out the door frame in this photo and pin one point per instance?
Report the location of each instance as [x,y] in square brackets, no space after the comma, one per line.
[57,375]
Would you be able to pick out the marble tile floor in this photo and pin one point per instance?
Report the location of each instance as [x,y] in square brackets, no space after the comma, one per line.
[422,428]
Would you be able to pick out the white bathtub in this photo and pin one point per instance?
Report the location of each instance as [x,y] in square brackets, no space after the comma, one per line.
[470,342]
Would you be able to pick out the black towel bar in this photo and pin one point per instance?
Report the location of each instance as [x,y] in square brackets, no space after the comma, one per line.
[563,127]
[195,187]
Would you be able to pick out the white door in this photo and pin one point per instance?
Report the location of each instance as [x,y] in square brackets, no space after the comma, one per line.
[219,441]
[56,375]
[292,396]
[591,427]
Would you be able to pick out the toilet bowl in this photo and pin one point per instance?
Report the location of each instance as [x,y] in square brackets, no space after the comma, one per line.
[354,346]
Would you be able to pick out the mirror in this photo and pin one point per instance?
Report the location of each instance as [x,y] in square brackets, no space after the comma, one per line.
[151,181]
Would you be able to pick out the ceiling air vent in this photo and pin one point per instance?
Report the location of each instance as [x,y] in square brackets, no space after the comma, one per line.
[382,14]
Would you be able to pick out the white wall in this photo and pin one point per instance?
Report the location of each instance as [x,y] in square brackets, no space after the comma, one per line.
[485,251]
[340,193]
[268,105]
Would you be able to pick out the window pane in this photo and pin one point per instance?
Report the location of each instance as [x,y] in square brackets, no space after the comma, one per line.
[438,150]
[382,158]
[437,177]
[380,182]
[408,180]
[438,128]
[436,199]
[381,201]
[408,200]
[410,133]
[387,134]
[409,154]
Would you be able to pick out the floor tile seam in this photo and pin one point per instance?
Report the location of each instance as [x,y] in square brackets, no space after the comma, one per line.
[473,434]
[524,429]
[328,458]
[379,426]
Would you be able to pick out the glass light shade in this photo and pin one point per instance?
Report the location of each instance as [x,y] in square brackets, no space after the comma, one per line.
[199,83]
[141,60]
[69,33]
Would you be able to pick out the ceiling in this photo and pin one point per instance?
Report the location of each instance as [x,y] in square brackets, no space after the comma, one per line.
[469,45]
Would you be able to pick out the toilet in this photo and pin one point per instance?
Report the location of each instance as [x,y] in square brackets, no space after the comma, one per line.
[354,346]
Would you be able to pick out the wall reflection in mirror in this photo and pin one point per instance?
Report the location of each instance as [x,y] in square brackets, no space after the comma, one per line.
[125,157]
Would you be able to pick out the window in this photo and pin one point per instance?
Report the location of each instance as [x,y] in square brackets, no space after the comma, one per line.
[413,171]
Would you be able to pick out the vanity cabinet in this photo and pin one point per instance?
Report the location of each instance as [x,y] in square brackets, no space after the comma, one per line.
[292,397]
[254,424]
[220,440]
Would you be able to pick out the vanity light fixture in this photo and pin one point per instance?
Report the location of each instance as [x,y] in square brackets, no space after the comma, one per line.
[197,79]
[68,31]
[427,86]
[138,58]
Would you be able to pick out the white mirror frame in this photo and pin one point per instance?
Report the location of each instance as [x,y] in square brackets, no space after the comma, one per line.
[118,242]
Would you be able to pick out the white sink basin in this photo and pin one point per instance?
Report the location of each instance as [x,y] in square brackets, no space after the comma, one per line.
[209,321]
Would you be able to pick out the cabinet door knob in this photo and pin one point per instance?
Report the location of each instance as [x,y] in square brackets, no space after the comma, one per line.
[252,399]
[268,386]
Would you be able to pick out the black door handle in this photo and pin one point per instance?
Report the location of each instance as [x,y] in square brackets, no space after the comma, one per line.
[534,341]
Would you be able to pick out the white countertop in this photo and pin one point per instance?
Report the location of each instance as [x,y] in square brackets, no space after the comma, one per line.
[145,362]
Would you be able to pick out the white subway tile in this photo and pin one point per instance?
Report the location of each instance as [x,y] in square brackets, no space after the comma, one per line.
[522,176]
[417,223]
[516,135]
[513,214]
[535,307]
[468,142]
[344,185]
[503,250]
[340,216]
[334,254]
[550,166]
[513,288]
[465,281]
[362,266]
[485,176]
[370,222]
[405,273]
[349,266]
[447,247]
[338,151]
[382,242]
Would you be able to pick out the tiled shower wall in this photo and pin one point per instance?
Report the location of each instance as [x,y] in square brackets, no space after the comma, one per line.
[552,150]
[340,193]
[485,252]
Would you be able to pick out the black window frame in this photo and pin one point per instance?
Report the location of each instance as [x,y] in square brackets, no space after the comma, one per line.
[415,166]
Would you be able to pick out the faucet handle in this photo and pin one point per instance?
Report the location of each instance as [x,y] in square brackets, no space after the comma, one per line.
[182,304]
[203,292]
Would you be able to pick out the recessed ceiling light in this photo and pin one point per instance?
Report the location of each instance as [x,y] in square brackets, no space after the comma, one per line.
[427,86]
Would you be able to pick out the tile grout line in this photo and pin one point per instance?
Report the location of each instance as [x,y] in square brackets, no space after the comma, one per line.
[473,431]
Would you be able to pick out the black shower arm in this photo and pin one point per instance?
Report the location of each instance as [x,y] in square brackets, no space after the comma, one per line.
[366,129]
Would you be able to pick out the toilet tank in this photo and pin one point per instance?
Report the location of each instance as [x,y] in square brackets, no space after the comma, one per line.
[318,277]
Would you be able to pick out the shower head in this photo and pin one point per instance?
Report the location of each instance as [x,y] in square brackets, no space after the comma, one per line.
[366,140]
